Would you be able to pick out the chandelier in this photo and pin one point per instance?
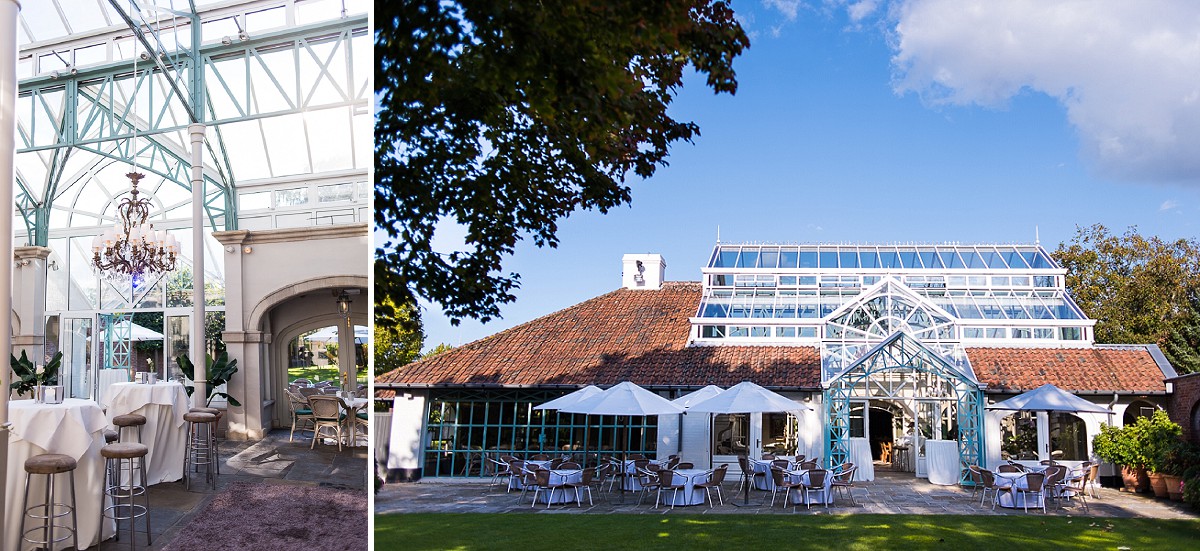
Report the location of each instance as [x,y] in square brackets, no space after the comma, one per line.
[132,246]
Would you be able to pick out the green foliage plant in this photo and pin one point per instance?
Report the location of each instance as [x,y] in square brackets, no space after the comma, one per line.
[28,376]
[506,117]
[1115,445]
[219,370]
[1157,435]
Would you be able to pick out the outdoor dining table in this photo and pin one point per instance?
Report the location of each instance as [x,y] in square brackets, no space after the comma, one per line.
[165,433]
[632,483]
[517,482]
[691,495]
[766,482]
[861,456]
[798,497]
[1013,499]
[75,428]
[353,405]
[942,462]
[569,476]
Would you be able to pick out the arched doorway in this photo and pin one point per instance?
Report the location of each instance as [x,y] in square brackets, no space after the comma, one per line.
[938,399]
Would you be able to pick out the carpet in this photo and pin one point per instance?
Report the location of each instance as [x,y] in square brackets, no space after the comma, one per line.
[263,517]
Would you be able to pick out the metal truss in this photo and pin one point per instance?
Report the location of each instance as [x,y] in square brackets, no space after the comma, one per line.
[91,110]
[901,368]
[118,350]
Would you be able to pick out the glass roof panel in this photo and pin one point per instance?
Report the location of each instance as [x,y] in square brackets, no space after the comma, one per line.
[889,259]
[769,258]
[727,258]
[748,258]
[788,257]
[929,258]
[993,259]
[808,258]
[1014,258]
[849,259]
[868,258]
[829,258]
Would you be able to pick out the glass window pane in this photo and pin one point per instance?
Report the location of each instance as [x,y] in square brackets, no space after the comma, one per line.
[788,258]
[889,259]
[908,258]
[748,258]
[993,260]
[929,259]
[769,259]
[868,259]
[808,259]
[727,258]
[849,259]
[829,259]
[1015,260]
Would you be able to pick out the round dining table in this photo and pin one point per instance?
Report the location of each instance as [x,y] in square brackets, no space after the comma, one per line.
[800,497]
[165,432]
[1015,499]
[75,428]
[690,495]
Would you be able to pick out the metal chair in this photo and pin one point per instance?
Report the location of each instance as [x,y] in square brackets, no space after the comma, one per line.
[327,414]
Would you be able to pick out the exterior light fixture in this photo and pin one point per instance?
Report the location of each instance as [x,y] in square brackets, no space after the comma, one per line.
[343,304]
[638,277]
[132,246]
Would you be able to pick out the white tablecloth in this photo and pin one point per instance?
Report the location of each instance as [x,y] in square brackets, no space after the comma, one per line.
[765,482]
[107,378]
[353,407]
[798,495]
[941,460]
[573,476]
[75,428]
[691,495]
[1014,499]
[165,433]
[632,483]
[860,455]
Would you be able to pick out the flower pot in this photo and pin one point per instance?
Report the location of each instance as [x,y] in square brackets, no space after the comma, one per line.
[1174,486]
[1158,484]
[48,394]
[1135,479]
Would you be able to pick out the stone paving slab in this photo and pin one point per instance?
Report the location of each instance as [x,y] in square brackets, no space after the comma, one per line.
[889,493]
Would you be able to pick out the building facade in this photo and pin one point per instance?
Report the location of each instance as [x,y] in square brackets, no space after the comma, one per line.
[888,344]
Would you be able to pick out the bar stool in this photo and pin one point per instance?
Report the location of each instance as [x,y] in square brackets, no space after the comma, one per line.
[213,429]
[201,447]
[111,436]
[129,420]
[49,464]
[118,465]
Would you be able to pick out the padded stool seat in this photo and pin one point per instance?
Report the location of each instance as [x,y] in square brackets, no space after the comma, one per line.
[110,436]
[50,463]
[213,411]
[201,447]
[129,420]
[199,417]
[124,450]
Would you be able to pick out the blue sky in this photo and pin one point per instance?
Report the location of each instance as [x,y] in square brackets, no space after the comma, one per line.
[916,120]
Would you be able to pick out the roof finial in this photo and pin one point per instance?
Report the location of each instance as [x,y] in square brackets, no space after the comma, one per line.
[1037,239]
[718,234]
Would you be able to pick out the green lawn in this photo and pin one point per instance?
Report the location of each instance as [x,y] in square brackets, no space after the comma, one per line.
[316,373]
[727,532]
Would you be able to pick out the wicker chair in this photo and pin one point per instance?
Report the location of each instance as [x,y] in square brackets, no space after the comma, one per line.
[784,483]
[666,481]
[844,481]
[1077,486]
[649,482]
[748,473]
[301,413]
[542,482]
[990,484]
[816,483]
[327,414]
[716,477]
[1009,468]
[1035,484]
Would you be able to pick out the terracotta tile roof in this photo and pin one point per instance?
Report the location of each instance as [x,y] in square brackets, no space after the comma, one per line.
[1106,369]
[641,336]
[625,335]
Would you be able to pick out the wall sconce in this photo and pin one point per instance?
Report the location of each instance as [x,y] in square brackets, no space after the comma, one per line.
[247,249]
[343,304]
[638,277]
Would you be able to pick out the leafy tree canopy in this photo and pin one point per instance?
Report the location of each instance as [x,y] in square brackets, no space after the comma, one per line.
[505,117]
[397,341]
[1139,289]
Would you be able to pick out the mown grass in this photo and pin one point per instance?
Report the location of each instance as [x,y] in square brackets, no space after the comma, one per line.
[678,532]
[316,373]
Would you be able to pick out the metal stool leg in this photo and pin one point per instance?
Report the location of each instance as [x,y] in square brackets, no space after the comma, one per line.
[49,514]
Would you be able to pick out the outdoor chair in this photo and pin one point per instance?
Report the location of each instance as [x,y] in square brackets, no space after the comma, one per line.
[1055,477]
[301,413]
[1035,485]
[500,471]
[748,473]
[685,465]
[782,482]
[1093,477]
[808,465]
[554,463]
[636,456]
[528,482]
[781,463]
[816,483]
[714,479]
[585,483]
[302,381]
[990,484]
[666,481]
[1048,462]
[309,391]
[1010,468]
[327,414]
[568,466]
[768,457]
[542,482]
[643,464]
[1074,486]
[539,457]
[673,461]
[844,481]
[649,482]
[799,459]
[976,479]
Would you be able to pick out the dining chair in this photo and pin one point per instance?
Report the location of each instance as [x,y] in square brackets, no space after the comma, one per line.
[976,479]
[782,482]
[587,477]
[302,381]
[327,414]
[808,465]
[768,457]
[685,465]
[749,475]
[816,483]
[713,479]
[650,483]
[543,481]
[568,466]
[309,391]
[844,481]
[666,481]
[1009,468]
[1076,486]
[1035,484]
[301,412]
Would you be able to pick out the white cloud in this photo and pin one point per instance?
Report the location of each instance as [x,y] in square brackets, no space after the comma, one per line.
[1169,204]
[862,9]
[789,8]
[1128,73]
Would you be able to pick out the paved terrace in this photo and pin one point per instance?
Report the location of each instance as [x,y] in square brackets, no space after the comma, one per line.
[889,493]
[272,460]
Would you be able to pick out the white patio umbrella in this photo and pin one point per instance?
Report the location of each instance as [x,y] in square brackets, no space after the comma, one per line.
[1049,398]
[624,399]
[747,397]
[330,334]
[571,399]
[696,397]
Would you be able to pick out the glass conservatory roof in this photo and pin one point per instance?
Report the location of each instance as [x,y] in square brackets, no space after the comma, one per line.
[883,257]
[285,96]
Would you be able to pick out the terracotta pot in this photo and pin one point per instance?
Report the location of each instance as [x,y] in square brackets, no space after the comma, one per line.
[1174,486]
[1135,479]
[1158,483]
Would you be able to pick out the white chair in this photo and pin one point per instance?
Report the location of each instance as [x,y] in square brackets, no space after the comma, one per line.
[301,413]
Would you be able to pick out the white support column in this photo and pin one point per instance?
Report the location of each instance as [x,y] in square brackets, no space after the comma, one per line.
[198,354]
[8,147]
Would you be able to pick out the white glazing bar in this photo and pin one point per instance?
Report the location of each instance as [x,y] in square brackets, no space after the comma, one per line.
[196,131]
[9,9]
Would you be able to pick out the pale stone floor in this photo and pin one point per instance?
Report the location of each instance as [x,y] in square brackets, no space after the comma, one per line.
[889,493]
[273,460]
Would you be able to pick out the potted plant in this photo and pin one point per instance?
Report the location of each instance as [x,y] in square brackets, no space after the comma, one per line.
[1157,435]
[29,377]
[1179,460]
[219,370]
[1117,446]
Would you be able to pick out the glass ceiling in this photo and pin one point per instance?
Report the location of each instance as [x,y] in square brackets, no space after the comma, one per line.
[897,257]
[285,96]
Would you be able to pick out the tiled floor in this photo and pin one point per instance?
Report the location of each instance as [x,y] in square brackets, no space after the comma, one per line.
[273,460]
[889,493]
